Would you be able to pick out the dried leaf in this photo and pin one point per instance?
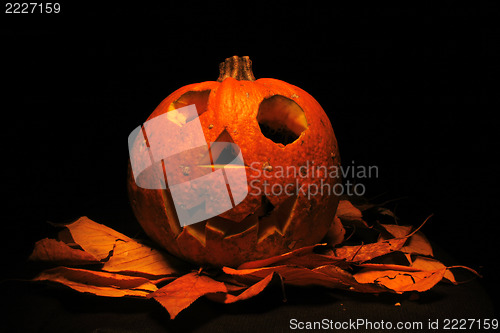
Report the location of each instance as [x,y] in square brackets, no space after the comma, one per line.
[304,256]
[121,253]
[249,292]
[131,256]
[313,260]
[98,283]
[349,214]
[408,258]
[396,231]
[279,258]
[362,253]
[399,281]
[347,280]
[298,276]
[416,244]
[328,276]
[394,267]
[336,232]
[386,212]
[95,238]
[51,250]
[393,258]
[429,264]
[182,292]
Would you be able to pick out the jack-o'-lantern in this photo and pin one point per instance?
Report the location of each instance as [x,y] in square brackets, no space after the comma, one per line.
[288,148]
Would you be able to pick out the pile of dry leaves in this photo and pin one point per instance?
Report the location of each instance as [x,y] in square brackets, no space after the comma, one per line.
[90,257]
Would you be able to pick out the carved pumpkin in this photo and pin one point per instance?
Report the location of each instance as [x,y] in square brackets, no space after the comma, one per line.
[287,143]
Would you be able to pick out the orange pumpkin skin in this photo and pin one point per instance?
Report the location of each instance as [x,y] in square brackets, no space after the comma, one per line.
[249,231]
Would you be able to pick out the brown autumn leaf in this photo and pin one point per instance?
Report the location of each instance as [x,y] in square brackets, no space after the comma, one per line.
[313,260]
[336,232]
[416,244]
[350,215]
[329,276]
[394,267]
[119,252]
[401,281]
[394,258]
[365,252]
[347,280]
[54,251]
[303,257]
[429,264]
[182,292]
[95,238]
[279,258]
[247,293]
[98,283]
[131,256]
[292,275]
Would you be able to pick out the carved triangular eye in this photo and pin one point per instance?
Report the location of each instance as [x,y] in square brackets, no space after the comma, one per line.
[220,152]
[281,119]
[224,151]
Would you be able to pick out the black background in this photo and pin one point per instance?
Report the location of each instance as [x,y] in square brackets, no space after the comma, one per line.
[411,90]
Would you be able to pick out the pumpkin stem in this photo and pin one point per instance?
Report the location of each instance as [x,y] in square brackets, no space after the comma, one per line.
[239,68]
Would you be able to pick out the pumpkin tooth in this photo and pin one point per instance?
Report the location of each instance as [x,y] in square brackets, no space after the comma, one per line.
[223,249]
[212,232]
[219,224]
[266,231]
[230,228]
[271,242]
[285,213]
[245,224]
[194,231]
[251,233]
[190,242]
[172,218]
[278,218]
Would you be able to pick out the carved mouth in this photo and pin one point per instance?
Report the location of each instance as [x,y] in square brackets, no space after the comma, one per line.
[266,221]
